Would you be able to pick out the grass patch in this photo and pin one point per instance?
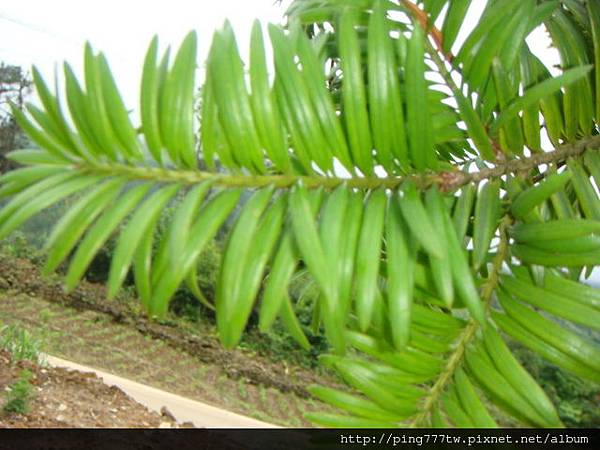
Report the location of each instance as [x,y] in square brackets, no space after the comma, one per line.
[16,399]
[242,391]
[19,343]
[262,393]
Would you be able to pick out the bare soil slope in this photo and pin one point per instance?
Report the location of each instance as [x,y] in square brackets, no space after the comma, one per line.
[64,398]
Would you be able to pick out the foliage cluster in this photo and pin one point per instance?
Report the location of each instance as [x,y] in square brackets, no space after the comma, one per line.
[454,225]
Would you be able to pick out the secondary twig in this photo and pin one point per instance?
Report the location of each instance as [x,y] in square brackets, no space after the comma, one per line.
[468,334]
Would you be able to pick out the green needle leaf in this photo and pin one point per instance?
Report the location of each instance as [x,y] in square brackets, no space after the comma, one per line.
[471,403]
[201,232]
[368,256]
[532,197]
[487,213]
[418,220]
[354,95]
[74,223]
[314,255]
[555,304]
[519,378]
[563,340]
[535,93]
[422,152]
[141,223]
[101,231]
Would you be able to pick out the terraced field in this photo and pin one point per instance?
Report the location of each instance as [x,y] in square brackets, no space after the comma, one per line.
[165,357]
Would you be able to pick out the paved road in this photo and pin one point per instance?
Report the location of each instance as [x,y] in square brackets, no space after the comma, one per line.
[184,409]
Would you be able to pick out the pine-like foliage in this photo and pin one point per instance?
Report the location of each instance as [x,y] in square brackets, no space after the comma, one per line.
[455,226]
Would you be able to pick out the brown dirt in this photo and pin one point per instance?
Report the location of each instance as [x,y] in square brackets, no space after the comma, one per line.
[63,398]
[84,327]
[22,276]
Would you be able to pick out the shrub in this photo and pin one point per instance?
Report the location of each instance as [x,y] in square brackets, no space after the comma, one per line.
[277,342]
[17,245]
[18,396]
[185,303]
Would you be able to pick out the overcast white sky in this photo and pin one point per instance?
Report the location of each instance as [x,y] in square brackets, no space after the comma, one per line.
[47,32]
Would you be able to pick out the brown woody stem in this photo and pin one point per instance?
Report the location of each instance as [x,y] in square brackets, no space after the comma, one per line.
[435,33]
[447,181]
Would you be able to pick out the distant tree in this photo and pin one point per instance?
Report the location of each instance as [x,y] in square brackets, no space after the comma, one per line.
[14,87]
